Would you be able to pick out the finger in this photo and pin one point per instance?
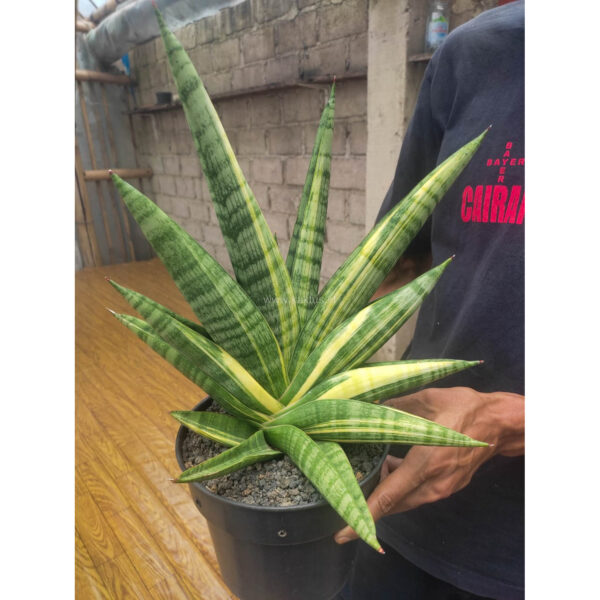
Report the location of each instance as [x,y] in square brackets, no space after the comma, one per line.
[391,463]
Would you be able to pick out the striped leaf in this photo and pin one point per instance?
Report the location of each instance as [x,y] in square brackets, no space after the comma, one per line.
[143,304]
[306,246]
[342,420]
[355,340]
[339,488]
[211,386]
[221,428]
[380,381]
[221,305]
[213,360]
[355,282]
[255,256]
[254,449]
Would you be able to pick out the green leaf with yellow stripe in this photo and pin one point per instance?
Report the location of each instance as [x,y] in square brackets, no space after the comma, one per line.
[355,340]
[351,421]
[143,305]
[380,381]
[355,282]
[215,426]
[306,246]
[221,305]
[209,385]
[254,449]
[255,256]
[213,360]
[339,488]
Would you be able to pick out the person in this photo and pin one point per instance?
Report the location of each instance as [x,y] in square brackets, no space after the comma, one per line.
[451,520]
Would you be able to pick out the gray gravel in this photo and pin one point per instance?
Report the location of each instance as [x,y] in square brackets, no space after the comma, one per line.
[277,482]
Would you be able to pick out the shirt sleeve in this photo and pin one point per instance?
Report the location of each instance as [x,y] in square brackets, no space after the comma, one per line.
[418,156]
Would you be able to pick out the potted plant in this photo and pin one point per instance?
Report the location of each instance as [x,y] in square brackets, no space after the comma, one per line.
[287,364]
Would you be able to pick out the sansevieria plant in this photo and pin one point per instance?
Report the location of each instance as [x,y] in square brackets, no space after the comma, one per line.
[286,362]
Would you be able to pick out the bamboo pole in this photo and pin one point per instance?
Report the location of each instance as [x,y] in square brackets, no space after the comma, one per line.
[90,142]
[82,189]
[113,152]
[104,175]
[105,160]
[99,76]
[83,236]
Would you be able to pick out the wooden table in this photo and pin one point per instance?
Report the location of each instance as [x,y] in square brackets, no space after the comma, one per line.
[138,535]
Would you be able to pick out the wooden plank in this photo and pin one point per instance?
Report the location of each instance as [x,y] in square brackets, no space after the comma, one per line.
[143,552]
[168,589]
[114,158]
[422,57]
[88,583]
[104,174]
[121,578]
[85,75]
[102,487]
[96,533]
[85,202]
[83,236]
[319,80]
[111,192]
[90,143]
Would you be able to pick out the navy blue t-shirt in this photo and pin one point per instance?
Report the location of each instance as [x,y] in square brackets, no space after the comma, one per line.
[473,539]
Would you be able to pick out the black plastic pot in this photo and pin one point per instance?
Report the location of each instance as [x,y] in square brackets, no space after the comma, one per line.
[276,553]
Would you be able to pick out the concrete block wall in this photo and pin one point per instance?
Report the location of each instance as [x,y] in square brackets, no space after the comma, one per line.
[253,44]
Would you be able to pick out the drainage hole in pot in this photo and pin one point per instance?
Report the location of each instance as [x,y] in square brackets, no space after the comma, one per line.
[282,533]
[198,502]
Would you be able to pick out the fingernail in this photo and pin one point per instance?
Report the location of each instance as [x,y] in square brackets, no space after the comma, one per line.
[342,539]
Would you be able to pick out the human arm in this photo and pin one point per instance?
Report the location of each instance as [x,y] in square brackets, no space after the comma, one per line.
[430,473]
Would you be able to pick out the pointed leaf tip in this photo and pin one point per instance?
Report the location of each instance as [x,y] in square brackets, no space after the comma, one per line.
[380,550]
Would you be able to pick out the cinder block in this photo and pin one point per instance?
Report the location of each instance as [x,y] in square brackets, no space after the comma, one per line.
[343,237]
[251,142]
[285,68]
[233,112]
[249,76]
[201,57]
[166,185]
[329,59]
[199,212]
[267,10]
[185,187]
[187,36]
[351,99]
[164,203]
[194,228]
[217,83]
[336,205]
[330,263]
[235,18]
[298,34]
[205,30]
[190,166]
[258,45]
[356,208]
[181,207]
[171,165]
[285,198]
[278,223]
[265,110]
[296,169]
[357,131]
[302,105]
[212,234]
[348,173]
[226,54]
[342,20]
[358,59]
[285,140]
[267,170]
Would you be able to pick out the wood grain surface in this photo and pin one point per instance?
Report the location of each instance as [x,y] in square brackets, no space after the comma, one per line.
[138,535]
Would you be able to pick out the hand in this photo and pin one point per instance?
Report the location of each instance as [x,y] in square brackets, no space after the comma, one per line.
[430,473]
